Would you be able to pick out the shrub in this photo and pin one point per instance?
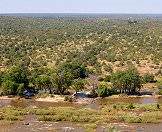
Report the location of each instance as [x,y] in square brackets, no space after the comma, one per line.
[148,78]
[158,106]
[128,81]
[108,68]
[100,79]
[1,75]
[15,80]
[76,69]
[20,89]
[66,74]
[9,87]
[78,85]
[103,90]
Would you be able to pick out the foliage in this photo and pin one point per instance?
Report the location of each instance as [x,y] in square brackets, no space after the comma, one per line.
[43,82]
[16,74]
[148,78]
[51,40]
[78,85]
[159,84]
[15,80]
[9,87]
[77,70]
[65,75]
[1,76]
[70,45]
[130,106]
[20,89]
[127,81]
[62,80]
[126,113]
[104,90]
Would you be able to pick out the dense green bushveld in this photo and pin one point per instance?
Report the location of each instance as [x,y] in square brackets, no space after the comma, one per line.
[78,85]
[14,80]
[19,78]
[44,41]
[104,90]
[128,81]
[53,52]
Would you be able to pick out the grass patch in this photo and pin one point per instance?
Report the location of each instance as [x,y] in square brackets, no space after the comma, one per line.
[12,114]
[121,112]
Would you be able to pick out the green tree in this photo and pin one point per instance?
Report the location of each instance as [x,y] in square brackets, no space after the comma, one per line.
[62,81]
[78,85]
[128,81]
[159,83]
[16,74]
[1,76]
[66,74]
[76,69]
[104,90]
[148,78]
[43,82]
[15,80]
[20,89]
[9,87]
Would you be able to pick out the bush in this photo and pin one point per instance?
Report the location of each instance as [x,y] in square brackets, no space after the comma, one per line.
[78,85]
[20,89]
[128,81]
[104,91]
[66,74]
[1,75]
[14,81]
[76,69]
[9,87]
[148,78]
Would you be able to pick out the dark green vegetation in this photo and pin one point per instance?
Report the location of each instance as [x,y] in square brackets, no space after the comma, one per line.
[14,81]
[58,54]
[17,79]
[126,81]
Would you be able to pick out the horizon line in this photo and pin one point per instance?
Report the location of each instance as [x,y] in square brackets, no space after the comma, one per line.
[79,13]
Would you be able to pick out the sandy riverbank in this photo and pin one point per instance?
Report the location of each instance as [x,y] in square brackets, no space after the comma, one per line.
[8,98]
[60,98]
[135,96]
[56,98]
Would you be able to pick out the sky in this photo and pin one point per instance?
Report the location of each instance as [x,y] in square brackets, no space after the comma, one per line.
[81,6]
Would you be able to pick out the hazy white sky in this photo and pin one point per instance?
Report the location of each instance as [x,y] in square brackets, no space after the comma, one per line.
[81,6]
